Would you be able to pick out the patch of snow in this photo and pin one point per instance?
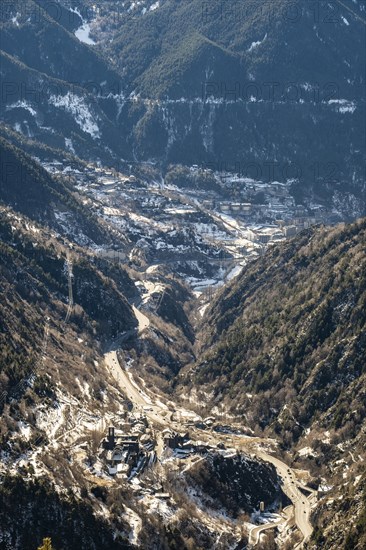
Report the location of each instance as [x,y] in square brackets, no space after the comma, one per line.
[158,507]
[69,145]
[14,19]
[135,523]
[82,34]
[357,479]
[77,107]
[234,272]
[24,430]
[344,106]
[306,451]
[203,309]
[22,105]
[256,44]
[325,488]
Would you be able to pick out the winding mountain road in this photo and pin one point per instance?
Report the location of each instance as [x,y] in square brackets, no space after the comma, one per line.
[255,533]
[300,502]
[156,411]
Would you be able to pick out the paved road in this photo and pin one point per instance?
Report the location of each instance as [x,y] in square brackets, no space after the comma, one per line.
[255,533]
[124,380]
[300,501]
[155,412]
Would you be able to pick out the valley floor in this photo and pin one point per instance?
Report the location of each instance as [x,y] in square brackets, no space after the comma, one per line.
[156,407]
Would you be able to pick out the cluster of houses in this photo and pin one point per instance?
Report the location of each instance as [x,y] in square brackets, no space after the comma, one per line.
[178,442]
[91,175]
[129,450]
[265,234]
[182,446]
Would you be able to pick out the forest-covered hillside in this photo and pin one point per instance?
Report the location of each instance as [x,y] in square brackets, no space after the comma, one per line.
[285,343]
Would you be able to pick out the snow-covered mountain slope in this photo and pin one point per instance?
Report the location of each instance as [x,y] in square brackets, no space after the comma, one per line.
[239,91]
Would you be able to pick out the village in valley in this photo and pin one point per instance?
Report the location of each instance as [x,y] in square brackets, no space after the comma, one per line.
[135,445]
[207,234]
